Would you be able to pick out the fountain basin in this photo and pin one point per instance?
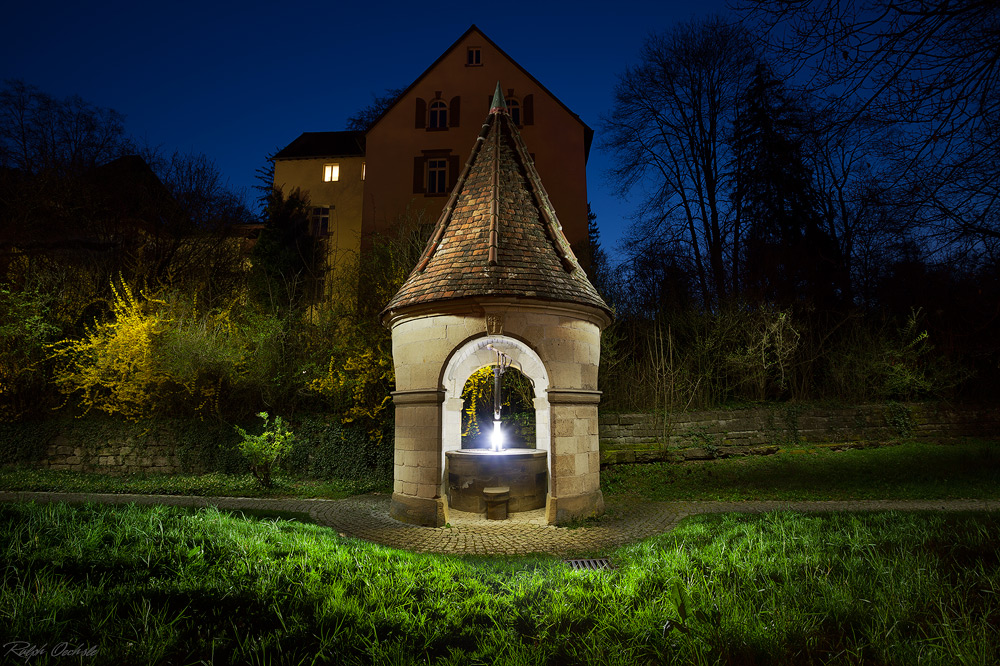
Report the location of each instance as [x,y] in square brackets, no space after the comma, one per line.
[470,471]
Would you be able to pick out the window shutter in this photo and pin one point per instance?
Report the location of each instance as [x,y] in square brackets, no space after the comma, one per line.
[454,111]
[528,110]
[418,175]
[452,171]
[420,122]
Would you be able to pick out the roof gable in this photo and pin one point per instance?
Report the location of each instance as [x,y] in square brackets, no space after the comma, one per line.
[498,235]
[474,30]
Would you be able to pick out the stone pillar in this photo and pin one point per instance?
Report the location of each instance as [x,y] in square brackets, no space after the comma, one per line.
[575,486]
[451,435]
[416,496]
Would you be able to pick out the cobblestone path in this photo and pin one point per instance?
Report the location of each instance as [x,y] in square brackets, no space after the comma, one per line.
[367,517]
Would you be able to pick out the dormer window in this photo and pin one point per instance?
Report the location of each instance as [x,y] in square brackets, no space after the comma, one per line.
[438,116]
[474,57]
[331,173]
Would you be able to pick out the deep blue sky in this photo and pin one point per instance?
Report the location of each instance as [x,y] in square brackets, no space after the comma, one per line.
[237,81]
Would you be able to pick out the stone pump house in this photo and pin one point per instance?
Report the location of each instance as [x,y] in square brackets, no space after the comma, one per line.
[498,272]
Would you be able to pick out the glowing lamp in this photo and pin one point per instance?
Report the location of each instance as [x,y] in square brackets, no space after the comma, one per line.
[497,438]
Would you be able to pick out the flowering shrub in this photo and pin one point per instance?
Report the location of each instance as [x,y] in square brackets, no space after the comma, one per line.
[358,387]
[113,366]
[516,395]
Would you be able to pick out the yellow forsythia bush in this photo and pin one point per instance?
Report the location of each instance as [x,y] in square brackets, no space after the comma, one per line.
[516,393]
[358,386]
[153,357]
[113,366]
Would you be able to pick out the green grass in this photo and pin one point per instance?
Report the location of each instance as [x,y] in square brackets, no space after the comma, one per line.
[913,470]
[208,485]
[161,585]
[968,469]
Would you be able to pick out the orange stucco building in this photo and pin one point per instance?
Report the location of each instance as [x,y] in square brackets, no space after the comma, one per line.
[407,163]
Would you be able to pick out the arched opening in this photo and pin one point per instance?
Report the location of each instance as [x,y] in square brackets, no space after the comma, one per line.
[475,355]
[517,409]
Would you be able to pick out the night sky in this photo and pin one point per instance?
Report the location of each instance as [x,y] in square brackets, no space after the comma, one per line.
[237,81]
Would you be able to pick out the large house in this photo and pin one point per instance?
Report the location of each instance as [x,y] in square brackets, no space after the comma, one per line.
[406,164]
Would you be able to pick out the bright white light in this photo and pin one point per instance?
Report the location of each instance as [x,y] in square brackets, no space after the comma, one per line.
[497,437]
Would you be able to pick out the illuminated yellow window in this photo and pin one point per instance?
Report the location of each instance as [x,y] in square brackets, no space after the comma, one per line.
[331,172]
[362,171]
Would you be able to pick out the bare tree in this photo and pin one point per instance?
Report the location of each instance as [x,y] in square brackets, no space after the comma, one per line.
[74,190]
[40,133]
[669,132]
[363,120]
[926,70]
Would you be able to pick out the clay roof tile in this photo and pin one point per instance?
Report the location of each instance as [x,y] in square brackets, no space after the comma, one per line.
[498,234]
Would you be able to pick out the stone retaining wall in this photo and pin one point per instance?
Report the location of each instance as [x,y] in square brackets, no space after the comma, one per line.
[722,433]
[629,437]
[118,455]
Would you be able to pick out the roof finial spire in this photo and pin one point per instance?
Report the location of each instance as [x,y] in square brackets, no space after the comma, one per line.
[498,103]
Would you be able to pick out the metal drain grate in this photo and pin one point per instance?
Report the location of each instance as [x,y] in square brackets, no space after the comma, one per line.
[590,565]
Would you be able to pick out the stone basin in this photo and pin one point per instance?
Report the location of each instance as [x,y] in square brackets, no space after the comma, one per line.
[524,471]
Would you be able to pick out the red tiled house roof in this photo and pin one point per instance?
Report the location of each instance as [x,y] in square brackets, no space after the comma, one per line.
[498,235]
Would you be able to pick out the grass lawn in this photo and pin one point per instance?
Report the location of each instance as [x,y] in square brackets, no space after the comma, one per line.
[161,585]
[206,485]
[966,469]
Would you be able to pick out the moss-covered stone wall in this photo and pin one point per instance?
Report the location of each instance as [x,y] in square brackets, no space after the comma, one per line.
[761,430]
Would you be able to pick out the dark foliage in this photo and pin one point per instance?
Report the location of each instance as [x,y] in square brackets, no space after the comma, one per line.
[788,256]
[286,257]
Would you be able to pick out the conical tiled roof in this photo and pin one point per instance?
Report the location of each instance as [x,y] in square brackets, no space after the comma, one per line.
[498,235]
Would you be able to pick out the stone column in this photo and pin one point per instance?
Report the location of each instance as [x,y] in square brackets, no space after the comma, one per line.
[451,435]
[575,486]
[416,496]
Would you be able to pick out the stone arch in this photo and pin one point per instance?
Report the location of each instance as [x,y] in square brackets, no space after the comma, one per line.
[470,356]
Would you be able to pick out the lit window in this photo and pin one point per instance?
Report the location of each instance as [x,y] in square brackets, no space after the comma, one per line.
[514,108]
[362,171]
[438,115]
[321,221]
[331,173]
[475,57]
[437,171]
